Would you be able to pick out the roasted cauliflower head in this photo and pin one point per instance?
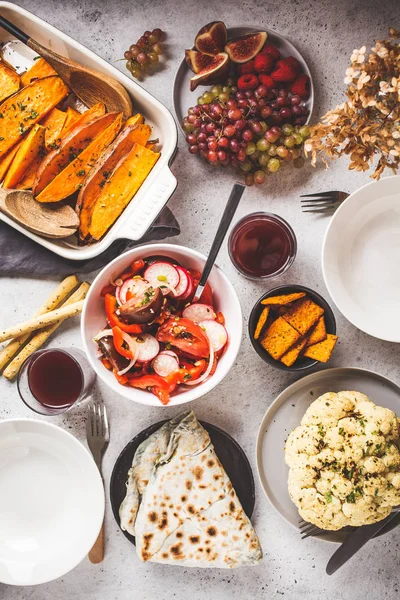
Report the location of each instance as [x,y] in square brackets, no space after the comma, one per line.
[344,461]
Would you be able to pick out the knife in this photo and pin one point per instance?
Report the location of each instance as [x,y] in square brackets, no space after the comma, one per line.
[354,542]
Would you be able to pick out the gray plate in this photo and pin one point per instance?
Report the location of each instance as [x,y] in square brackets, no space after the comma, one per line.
[285,414]
[184,98]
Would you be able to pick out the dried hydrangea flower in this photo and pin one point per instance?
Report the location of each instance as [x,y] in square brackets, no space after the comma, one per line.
[367,125]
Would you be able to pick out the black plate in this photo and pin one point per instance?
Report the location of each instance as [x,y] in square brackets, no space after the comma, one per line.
[303,363]
[229,452]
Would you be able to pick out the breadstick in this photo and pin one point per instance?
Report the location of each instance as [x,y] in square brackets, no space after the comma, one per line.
[55,298]
[41,321]
[42,336]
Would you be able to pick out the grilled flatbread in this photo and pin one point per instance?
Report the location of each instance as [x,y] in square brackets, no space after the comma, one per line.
[180,504]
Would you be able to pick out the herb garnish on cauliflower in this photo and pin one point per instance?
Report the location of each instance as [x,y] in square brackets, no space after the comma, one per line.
[344,461]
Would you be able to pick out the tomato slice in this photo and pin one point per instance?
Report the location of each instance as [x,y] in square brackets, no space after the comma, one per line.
[186,336]
[154,383]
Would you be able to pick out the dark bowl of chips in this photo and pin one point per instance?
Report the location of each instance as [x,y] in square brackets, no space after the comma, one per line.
[292,328]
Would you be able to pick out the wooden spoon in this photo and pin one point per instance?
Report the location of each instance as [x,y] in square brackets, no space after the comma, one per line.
[89,85]
[51,221]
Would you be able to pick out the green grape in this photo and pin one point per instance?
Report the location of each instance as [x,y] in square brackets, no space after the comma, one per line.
[249,179]
[250,148]
[255,155]
[289,141]
[188,127]
[305,131]
[200,100]
[263,159]
[207,97]
[263,145]
[298,162]
[272,150]
[282,152]
[259,177]
[226,89]
[273,165]
[298,139]
[156,48]
[223,97]
[263,126]
[287,129]
[134,50]
[153,57]
[245,166]
[152,39]
[216,90]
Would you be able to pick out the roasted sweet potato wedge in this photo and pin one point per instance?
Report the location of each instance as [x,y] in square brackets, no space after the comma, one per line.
[26,183]
[94,183]
[38,70]
[80,136]
[7,159]
[72,116]
[119,190]
[31,147]
[29,105]
[72,177]
[9,81]
[53,122]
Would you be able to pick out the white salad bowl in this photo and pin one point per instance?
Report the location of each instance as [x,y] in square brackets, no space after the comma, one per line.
[225,300]
[51,502]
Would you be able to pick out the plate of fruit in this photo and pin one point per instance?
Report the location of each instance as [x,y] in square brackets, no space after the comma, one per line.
[243,98]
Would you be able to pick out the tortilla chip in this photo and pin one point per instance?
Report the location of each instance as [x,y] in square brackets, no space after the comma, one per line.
[261,322]
[323,350]
[290,357]
[279,337]
[303,315]
[318,332]
[284,299]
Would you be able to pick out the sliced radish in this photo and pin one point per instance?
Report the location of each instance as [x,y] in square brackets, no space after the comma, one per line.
[135,286]
[209,368]
[148,347]
[170,353]
[183,284]
[164,364]
[216,333]
[199,312]
[190,289]
[164,276]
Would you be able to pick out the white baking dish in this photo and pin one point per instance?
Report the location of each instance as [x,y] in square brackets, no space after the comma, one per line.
[159,185]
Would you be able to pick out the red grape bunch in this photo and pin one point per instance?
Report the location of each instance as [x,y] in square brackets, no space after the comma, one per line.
[145,53]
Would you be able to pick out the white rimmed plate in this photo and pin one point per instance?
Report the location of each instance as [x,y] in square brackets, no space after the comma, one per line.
[285,414]
[184,98]
[51,502]
[361,258]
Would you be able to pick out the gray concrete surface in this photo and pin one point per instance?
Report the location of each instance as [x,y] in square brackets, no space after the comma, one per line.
[326,33]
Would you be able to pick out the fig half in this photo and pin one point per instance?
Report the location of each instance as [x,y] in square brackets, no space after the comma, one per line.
[211,38]
[216,70]
[245,48]
[197,61]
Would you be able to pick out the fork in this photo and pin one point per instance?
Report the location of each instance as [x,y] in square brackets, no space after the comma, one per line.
[98,438]
[323,202]
[307,529]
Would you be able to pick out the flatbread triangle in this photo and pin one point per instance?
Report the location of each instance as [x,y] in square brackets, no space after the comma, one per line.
[180,504]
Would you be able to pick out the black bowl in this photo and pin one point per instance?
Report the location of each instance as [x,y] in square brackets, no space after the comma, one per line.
[302,363]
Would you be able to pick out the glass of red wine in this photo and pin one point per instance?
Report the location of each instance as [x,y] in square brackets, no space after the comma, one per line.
[53,380]
[262,245]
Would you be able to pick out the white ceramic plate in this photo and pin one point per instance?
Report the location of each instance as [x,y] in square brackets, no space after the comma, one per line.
[159,185]
[225,298]
[51,502]
[184,98]
[286,412]
[361,258]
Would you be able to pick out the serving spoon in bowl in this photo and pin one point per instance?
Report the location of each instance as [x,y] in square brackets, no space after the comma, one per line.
[89,85]
[51,221]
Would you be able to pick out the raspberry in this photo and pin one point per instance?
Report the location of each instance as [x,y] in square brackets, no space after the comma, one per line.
[300,86]
[267,81]
[246,68]
[272,51]
[263,63]
[291,60]
[285,71]
[248,82]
